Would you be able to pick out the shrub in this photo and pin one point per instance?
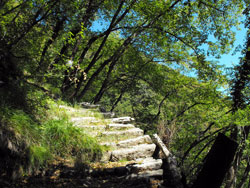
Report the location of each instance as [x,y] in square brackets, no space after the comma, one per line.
[34,144]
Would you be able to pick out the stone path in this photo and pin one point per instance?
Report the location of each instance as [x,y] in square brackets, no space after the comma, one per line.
[126,144]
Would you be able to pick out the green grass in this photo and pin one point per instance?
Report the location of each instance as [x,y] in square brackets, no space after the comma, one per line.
[51,137]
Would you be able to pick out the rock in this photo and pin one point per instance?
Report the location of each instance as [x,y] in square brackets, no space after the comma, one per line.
[92,127]
[135,141]
[122,120]
[139,151]
[84,120]
[129,132]
[89,105]
[147,174]
[129,142]
[108,114]
[147,164]
[106,156]
[120,126]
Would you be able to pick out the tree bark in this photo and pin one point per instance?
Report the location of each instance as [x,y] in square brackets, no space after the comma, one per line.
[36,19]
[217,163]
[115,57]
[117,100]
[245,175]
[105,83]
[171,173]
[58,27]
[159,107]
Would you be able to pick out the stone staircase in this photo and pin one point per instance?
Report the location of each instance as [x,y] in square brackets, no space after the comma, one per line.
[125,142]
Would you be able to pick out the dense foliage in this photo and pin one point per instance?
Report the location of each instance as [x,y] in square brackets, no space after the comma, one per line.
[144,58]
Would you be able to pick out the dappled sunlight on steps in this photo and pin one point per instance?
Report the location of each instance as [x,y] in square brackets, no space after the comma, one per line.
[130,151]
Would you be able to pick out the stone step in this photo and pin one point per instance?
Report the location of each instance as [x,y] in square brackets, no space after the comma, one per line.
[84,120]
[92,130]
[132,153]
[117,126]
[130,132]
[75,110]
[89,105]
[78,122]
[157,174]
[80,119]
[123,120]
[129,142]
[108,114]
[135,141]
[146,164]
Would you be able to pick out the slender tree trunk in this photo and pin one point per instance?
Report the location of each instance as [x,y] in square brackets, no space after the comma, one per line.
[245,175]
[105,83]
[115,20]
[82,56]
[112,59]
[56,30]
[118,100]
[159,107]
[232,174]
[90,81]
[90,12]
[12,9]
[36,19]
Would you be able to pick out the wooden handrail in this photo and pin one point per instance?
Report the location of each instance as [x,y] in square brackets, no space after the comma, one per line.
[171,173]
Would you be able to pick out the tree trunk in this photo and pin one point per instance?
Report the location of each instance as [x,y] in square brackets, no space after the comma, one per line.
[117,100]
[159,107]
[105,83]
[171,173]
[90,81]
[57,28]
[245,175]
[114,58]
[36,19]
[217,163]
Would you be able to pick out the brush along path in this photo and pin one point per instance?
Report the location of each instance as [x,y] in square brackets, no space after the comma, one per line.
[130,151]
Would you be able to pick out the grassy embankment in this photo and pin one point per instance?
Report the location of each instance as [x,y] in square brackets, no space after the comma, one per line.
[30,142]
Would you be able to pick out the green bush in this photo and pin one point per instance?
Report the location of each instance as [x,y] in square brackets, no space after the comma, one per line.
[40,142]
[66,140]
[39,156]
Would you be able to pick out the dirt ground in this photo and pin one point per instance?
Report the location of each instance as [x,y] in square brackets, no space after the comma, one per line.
[61,176]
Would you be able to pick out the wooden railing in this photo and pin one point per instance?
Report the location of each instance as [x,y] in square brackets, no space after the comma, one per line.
[171,173]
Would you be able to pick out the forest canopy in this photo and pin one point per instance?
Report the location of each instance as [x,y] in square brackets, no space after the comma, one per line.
[132,57]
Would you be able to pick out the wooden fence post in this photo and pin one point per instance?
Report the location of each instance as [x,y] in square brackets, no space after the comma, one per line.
[171,173]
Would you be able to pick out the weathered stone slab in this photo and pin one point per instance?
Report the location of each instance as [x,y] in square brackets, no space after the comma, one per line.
[152,164]
[139,151]
[117,126]
[71,109]
[108,114]
[129,132]
[147,174]
[130,142]
[77,119]
[91,127]
[122,120]
[106,156]
[83,120]
[135,141]
[89,105]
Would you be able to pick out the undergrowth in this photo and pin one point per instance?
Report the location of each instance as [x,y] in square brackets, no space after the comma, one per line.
[46,137]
